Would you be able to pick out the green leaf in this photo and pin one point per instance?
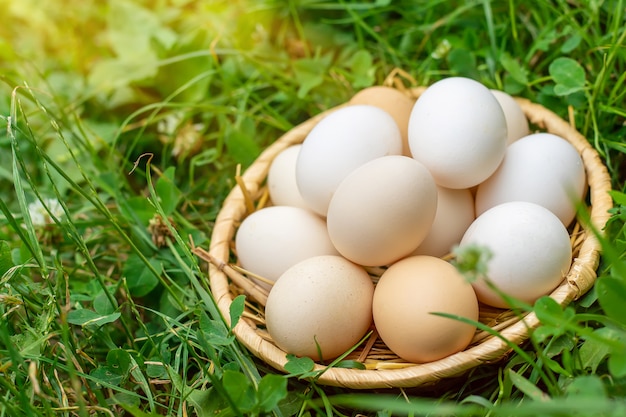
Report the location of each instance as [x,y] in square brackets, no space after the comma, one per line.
[590,386]
[168,192]
[272,389]
[300,367]
[349,364]
[156,370]
[136,412]
[139,208]
[207,403]
[546,39]
[593,351]
[612,297]
[214,332]
[116,370]
[239,389]
[89,318]
[362,69]
[187,65]
[553,317]
[135,34]
[236,310]
[119,361]
[241,142]
[511,86]
[618,197]
[102,304]
[309,73]
[104,375]
[571,43]
[140,278]
[527,387]
[6,260]
[125,399]
[514,69]
[568,75]
[617,364]
[542,333]
[559,344]
[462,62]
[133,28]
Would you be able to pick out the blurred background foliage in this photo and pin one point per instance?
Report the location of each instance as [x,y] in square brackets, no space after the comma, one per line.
[88,87]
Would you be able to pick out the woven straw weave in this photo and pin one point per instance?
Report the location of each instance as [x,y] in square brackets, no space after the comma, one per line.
[386,370]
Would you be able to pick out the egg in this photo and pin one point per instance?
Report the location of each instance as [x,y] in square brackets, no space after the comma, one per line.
[541,168]
[281,179]
[339,143]
[516,121]
[382,210]
[455,212]
[457,129]
[272,239]
[407,294]
[394,102]
[530,251]
[320,307]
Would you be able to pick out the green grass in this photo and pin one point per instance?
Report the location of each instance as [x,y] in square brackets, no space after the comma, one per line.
[133,116]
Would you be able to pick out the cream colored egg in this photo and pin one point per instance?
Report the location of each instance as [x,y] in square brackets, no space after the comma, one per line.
[394,102]
[281,179]
[407,294]
[382,210]
[322,304]
[339,143]
[455,212]
[516,121]
[272,239]
[458,131]
[541,168]
[530,247]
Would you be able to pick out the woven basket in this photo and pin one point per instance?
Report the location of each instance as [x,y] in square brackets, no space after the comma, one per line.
[384,369]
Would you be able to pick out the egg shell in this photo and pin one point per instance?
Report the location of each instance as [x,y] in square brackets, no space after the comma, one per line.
[325,300]
[382,210]
[272,239]
[281,179]
[406,295]
[457,129]
[516,121]
[530,247]
[394,102]
[339,143]
[455,213]
[541,168]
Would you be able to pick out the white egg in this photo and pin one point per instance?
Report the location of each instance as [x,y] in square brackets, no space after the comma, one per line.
[339,143]
[382,210]
[531,251]
[458,130]
[516,121]
[272,239]
[455,212]
[281,179]
[320,305]
[541,168]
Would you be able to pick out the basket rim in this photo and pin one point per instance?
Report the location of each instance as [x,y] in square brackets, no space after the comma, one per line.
[579,279]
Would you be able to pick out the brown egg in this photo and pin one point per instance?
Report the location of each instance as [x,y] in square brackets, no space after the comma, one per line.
[394,102]
[406,295]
